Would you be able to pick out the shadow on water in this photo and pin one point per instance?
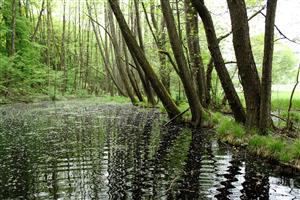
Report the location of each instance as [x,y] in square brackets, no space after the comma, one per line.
[83,150]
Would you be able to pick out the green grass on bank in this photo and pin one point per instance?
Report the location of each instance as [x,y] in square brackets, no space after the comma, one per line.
[283,149]
[281,100]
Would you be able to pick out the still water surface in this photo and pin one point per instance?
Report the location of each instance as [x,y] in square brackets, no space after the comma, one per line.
[84,150]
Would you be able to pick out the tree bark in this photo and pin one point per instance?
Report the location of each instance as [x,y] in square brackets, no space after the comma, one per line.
[245,60]
[136,51]
[213,45]
[266,81]
[196,62]
[184,72]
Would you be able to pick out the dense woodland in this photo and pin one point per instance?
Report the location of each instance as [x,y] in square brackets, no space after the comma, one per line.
[155,52]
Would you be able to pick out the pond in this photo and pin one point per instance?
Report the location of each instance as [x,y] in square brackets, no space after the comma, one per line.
[86,150]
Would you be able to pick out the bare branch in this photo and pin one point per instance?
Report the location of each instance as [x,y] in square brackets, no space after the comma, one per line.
[251,17]
[281,33]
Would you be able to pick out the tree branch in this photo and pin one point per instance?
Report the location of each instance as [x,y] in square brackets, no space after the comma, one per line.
[170,59]
[281,33]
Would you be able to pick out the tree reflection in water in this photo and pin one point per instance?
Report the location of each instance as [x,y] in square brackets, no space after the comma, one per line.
[91,151]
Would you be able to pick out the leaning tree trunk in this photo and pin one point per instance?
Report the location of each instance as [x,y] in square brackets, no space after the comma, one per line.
[136,52]
[159,36]
[145,81]
[266,81]
[213,45]
[36,28]
[120,65]
[192,32]
[245,60]
[184,72]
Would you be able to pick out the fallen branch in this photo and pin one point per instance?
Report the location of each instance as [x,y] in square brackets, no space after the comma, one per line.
[281,118]
[177,116]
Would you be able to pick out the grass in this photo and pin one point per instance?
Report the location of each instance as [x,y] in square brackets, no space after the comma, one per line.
[281,100]
[268,146]
[283,149]
[229,130]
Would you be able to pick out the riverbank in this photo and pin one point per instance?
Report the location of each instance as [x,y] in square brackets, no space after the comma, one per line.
[275,146]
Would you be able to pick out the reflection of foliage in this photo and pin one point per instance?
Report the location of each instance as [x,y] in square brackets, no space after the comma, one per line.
[284,60]
[179,151]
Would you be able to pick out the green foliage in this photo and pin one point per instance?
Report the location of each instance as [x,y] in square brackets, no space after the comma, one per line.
[179,151]
[22,73]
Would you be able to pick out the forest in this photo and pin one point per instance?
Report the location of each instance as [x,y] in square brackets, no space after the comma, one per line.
[225,66]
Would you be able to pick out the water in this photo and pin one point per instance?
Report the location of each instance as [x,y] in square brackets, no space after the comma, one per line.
[84,150]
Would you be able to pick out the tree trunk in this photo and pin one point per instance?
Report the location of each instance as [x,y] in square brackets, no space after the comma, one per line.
[209,70]
[38,22]
[147,86]
[104,53]
[184,72]
[63,51]
[136,51]
[160,39]
[266,81]
[213,45]
[120,65]
[245,60]
[196,62]
[13,28]
[80,38]
[131,75]
[48,52]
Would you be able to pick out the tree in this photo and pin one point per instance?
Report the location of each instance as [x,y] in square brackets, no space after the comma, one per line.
[266,81]
[136,51]
[196,62]
[120,64]
[184,72]
[213,45]
[245,60]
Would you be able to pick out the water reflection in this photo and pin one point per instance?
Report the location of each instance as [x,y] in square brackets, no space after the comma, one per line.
[90,151]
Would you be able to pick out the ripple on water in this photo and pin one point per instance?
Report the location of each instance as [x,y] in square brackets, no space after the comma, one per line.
[91,151]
